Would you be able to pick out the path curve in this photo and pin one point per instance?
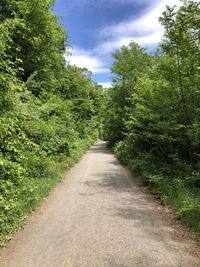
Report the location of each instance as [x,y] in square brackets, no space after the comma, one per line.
[99,216]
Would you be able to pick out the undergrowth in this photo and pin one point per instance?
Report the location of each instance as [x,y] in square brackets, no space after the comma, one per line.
[20,199]
[175,184]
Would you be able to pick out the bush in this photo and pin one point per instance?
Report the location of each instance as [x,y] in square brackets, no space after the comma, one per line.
[175,184]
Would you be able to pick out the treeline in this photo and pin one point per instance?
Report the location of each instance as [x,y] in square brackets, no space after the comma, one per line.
[152,117]
[49,110]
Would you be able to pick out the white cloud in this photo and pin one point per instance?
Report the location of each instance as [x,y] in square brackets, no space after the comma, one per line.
[145,30]
[145,41]
[105,85]
[146,23]
[86,59]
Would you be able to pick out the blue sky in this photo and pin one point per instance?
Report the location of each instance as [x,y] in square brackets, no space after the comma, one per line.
[97,28]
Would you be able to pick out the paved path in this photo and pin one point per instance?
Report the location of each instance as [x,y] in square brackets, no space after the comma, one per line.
[98,216]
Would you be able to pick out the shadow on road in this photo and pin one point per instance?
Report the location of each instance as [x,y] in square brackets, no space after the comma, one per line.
[130,203]
[100,148]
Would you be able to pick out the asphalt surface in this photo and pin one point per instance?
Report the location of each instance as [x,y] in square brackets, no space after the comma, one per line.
[99,216]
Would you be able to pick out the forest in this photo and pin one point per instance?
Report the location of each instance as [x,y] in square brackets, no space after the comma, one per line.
[51,111]
[152,117]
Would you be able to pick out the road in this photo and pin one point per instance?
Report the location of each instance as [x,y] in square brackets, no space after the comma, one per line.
[99,216]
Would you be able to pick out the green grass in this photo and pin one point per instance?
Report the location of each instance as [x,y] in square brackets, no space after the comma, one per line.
[176,185]
[21,199]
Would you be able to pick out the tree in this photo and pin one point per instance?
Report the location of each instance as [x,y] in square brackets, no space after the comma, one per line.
[129,66]
[155,99]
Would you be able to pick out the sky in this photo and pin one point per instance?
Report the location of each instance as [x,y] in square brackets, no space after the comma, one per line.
[97,28]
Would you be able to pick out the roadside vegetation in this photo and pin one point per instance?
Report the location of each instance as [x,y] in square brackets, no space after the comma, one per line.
[49,110]
[152,118]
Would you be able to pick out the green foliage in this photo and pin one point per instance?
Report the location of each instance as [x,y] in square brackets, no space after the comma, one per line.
[175,185]
[152,117]
[49,110]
